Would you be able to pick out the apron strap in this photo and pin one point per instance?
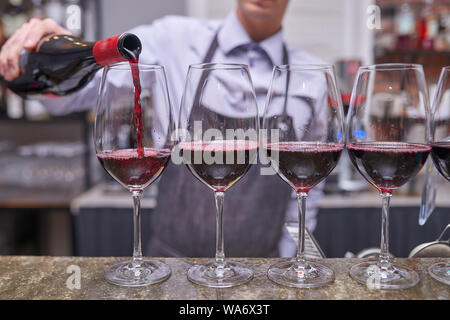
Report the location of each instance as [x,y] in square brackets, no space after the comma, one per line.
[212,48]
[286,61]
[285,55]
[207,59]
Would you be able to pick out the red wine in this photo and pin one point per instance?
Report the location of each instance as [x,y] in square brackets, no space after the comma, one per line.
[221,163]
[440,152]
[303,164]
[133,170]
[63,64]
[388,165]
[134,64]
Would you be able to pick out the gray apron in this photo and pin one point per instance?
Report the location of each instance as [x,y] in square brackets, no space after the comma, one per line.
[184,222]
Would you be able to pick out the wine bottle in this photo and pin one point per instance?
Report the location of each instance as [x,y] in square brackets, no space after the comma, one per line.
[63,64]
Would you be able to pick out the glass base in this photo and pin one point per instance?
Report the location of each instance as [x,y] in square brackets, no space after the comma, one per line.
[129,274]
[210,274]
[290,274]
[389,277]
[440,272]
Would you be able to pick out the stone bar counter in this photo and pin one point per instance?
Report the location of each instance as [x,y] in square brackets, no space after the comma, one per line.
[43,277]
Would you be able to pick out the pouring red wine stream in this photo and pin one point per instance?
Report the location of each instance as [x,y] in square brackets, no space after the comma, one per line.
[134,64]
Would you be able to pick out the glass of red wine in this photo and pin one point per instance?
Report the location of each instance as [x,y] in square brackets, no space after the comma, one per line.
[304,123]
[132,135]
[218,143]
[387,138]
[440,151]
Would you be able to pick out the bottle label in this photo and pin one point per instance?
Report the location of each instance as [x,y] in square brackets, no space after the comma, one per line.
[106,52]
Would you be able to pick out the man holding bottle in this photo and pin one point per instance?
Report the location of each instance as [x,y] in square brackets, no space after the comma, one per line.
[251,34]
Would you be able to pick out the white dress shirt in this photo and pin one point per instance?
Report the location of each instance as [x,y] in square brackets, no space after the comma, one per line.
[176,42]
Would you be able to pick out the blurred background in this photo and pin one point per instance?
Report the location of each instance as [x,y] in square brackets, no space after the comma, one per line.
[56,200]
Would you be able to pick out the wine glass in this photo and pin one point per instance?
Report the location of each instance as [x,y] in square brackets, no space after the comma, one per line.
[132,135]
[387,138]
[304,123]
[218,143]
[440,151]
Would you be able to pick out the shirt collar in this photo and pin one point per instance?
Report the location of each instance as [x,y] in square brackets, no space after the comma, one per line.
[232,35]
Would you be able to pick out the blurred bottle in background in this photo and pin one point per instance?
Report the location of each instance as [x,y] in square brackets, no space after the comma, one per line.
[405,27]
[412,25]
[346,70]
[428,26]
[442,41]
[386,37]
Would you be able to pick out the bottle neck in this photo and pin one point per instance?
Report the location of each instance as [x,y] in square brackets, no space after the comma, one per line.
[120,48]
[106,51]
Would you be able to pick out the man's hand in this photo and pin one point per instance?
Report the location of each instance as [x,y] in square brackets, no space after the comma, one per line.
[27,37]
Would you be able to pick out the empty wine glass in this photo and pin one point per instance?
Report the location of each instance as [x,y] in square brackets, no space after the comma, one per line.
[304,123]
[387,138]
[440,151]
[218,143]
[132,135]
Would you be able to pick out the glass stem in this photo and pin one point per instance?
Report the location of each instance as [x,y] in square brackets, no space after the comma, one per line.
[220,255]
[384,247]
[137,246]
[300,259]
